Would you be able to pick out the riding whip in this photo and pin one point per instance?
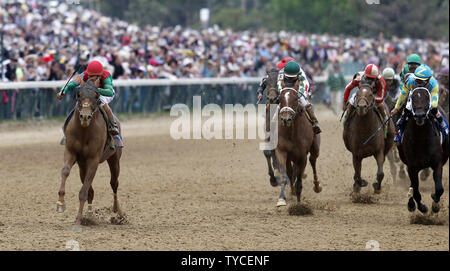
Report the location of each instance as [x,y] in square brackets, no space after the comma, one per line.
[74,72]
[379,128]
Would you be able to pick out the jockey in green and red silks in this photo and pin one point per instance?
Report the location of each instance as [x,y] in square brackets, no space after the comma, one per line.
[103,81]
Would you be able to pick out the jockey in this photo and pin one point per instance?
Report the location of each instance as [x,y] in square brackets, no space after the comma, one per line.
[371,75]
[412,63]
[422,78]
[392,87]
[280,67]
[96,73]
[292,74]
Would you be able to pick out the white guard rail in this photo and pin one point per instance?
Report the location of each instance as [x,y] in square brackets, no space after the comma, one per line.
[150,82]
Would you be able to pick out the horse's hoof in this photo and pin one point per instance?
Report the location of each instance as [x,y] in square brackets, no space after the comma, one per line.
[317,188]
[273,181]
[435,207]
[423,208]
[356,188]
[77,228]
[411,205]
[376,188]
[281,202]
[60,207]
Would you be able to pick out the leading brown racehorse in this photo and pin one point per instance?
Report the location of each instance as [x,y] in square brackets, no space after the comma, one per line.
[86,138]
[296,140]
[358,128]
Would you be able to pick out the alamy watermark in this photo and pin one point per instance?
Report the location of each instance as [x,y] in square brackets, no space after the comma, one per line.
[225,125]
[73,245]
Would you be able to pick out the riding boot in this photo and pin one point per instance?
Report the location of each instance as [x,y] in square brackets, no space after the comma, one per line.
[314,121]
[401,124]
[443,124]
[112,126]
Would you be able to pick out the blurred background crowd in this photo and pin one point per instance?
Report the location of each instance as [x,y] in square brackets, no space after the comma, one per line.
[48,40]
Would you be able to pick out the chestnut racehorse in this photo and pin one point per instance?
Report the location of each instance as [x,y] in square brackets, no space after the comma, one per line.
[358,128]
[295,140]
[86,138]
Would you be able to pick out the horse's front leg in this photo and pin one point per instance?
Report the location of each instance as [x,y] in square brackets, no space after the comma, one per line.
[273,180]
[358,181]
[414,177]
[91,169]
[393,167]
[282,160]
[299,184]
[438,188]
[379,157]
[69,161]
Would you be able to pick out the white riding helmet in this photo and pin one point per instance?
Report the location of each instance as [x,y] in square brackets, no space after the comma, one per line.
[388,73]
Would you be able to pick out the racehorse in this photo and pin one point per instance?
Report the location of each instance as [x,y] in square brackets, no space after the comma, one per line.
[295,140]
[393,156]
[358,128]
[87,145]
[421,148]
[272,99]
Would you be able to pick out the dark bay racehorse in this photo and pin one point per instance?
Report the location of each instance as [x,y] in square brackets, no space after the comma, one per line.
[86,138]
[421,148]
[271,99]
[295,140]
[358,128]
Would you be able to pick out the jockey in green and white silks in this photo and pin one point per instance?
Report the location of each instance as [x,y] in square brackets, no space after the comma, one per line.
[291,75]
[422,78]
[412,63]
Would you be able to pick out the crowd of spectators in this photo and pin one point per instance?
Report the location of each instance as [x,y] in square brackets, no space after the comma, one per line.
[48,40]
[45,41]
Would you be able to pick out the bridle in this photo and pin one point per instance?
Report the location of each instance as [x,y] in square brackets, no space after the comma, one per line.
[411,101]
[371,104]
[288,108]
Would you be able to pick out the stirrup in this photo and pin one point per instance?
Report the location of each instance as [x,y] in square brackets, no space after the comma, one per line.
[63,141]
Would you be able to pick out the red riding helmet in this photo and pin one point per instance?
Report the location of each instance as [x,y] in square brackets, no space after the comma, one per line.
[283,62]
[94,68]
[372,71]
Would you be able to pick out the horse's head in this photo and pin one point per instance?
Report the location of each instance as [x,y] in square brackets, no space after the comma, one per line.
[420,100]
[271,86]
[289,106]
[364,99]
[87,103]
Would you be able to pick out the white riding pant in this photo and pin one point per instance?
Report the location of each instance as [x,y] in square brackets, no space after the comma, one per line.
[105,99]
[352,99]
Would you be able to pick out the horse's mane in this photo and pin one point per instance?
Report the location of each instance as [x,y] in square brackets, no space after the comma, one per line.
[88,90]
[272,77]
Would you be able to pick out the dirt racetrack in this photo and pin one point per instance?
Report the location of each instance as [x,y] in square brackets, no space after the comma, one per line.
[200,195]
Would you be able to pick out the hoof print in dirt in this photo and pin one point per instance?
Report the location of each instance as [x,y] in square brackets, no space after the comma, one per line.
[300,209]
[364,198]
